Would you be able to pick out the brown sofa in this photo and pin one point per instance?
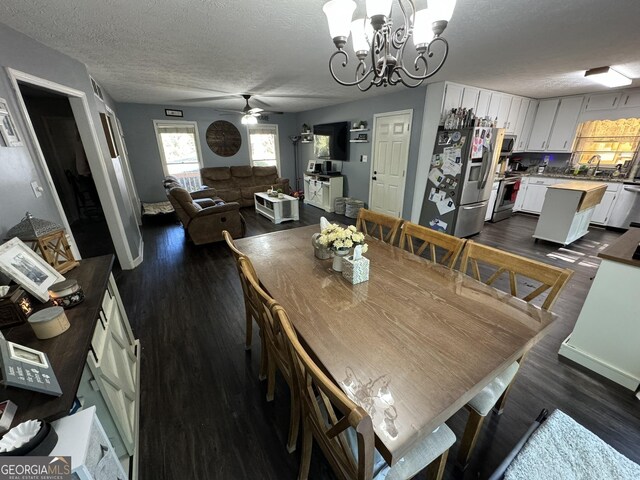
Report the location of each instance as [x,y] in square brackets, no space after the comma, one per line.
[205,219]
[238,184]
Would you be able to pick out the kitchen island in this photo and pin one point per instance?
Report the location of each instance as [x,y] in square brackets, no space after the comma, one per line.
[567,211]
[606,337]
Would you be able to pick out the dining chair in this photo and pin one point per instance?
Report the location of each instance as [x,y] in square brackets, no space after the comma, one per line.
[278,357]
[375,224]
[252,307]
[540,279]
[450,246]
[344,430]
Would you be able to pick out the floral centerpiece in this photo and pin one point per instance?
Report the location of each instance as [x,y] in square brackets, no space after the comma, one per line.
[341,240]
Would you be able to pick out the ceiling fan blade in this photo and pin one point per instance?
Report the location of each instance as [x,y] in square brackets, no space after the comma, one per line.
[264,112]
[239,112]
[255,110]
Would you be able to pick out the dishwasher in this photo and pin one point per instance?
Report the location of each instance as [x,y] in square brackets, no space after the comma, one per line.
[627,208]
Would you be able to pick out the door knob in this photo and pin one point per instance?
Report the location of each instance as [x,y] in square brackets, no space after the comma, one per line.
[375,173]
[373,178]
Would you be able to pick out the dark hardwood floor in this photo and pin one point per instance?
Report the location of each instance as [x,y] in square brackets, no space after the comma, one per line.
[203,409]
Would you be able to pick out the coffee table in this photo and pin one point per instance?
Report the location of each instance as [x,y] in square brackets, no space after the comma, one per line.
[277,210]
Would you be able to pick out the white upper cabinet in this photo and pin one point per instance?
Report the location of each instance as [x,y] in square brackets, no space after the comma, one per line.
[494,106]
[514,114]
[482,108]
[542,125]
[522,116]
[523,135]
[602,101]
[564,126]
[630,100]
[452,97]
[503,111]
[470,98]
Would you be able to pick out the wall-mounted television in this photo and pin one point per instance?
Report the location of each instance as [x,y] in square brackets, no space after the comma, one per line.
[331,141]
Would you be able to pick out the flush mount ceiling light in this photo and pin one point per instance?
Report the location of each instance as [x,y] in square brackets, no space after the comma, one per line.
[608,77]
[374,36]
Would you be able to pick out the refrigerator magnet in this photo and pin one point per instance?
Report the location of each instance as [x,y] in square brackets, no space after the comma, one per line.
[438,225]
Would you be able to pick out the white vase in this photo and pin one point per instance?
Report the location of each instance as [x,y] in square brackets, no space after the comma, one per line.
[338,255]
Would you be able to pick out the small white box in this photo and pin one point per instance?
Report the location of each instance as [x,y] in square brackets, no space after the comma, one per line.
[356,271]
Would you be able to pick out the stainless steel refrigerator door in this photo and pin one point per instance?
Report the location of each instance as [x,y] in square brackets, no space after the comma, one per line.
[475,179]
[470,219]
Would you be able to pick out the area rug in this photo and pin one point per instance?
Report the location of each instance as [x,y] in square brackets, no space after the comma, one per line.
[563,449]
[156,208]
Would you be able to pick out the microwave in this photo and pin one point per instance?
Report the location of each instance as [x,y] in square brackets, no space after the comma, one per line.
[508,144]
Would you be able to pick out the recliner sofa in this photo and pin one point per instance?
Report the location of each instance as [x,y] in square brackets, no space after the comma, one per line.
[238,184]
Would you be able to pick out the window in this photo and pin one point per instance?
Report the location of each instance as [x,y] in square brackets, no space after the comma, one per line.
[263,146]
[179,147]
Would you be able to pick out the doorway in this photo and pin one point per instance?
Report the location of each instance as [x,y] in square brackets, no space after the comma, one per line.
[57,134]
[390,155]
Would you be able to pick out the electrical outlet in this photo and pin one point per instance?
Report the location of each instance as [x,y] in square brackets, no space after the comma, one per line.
[37,189]
[363,158]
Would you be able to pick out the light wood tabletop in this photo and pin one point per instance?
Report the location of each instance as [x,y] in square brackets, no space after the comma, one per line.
[412,345]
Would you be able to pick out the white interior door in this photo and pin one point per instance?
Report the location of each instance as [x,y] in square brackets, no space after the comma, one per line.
[391,137]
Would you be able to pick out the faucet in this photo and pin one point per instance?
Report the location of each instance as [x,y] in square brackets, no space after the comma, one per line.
[590,162]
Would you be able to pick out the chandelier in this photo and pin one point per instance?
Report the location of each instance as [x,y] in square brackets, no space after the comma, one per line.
[373,36]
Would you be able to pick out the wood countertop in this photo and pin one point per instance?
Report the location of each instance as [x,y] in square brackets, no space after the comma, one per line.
[622,249]
[592,192]
[67,352]
[581,186]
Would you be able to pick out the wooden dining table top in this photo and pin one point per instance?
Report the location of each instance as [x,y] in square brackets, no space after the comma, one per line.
[412,345]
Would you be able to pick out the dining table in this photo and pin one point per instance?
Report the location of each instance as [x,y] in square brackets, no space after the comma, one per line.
[412,345]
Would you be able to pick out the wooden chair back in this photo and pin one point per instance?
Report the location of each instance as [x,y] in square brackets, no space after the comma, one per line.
[275,341]
[375,224]
[328,413]
[251,301]
[450,246]
[549,277]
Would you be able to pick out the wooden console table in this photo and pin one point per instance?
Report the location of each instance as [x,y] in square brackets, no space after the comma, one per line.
[94,351]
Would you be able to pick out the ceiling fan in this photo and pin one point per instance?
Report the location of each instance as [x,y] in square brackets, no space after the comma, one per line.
[250,114]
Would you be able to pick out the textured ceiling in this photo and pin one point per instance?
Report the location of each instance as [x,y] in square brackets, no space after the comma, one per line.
[180,52]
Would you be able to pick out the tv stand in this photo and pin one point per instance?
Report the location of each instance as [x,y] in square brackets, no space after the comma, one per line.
[321,190]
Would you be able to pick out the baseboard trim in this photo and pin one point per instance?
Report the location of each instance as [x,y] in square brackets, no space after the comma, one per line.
[596,365]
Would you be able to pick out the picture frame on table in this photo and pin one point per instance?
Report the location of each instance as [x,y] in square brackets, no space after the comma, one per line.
[28,269]
[8,128]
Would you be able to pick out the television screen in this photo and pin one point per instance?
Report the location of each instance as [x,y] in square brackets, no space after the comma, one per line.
[331,141]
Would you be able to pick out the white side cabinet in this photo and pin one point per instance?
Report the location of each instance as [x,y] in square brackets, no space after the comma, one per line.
[111,380]
[82,437]
[322,190]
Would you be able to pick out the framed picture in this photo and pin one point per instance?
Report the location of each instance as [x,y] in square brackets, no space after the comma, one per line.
[7,127]
[172,113]
[27,268]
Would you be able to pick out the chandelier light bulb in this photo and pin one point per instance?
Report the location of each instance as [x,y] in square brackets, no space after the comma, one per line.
[422,28]
[339,14]
[361,35]
[442,10]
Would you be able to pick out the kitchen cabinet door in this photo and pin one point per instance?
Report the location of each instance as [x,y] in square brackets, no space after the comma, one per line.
[470,98]
[522,115]
[534,198]
[513,115]
[452,97]
[521,194]
[499,108]
[482,108]
[602,101]
[525,133]
[601,213]
[630,100]
[542,125]
[564,126]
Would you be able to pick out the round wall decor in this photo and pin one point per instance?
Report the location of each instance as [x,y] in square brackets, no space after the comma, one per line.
[223,138]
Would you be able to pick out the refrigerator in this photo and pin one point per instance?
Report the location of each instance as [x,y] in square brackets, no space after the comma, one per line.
[460,178]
